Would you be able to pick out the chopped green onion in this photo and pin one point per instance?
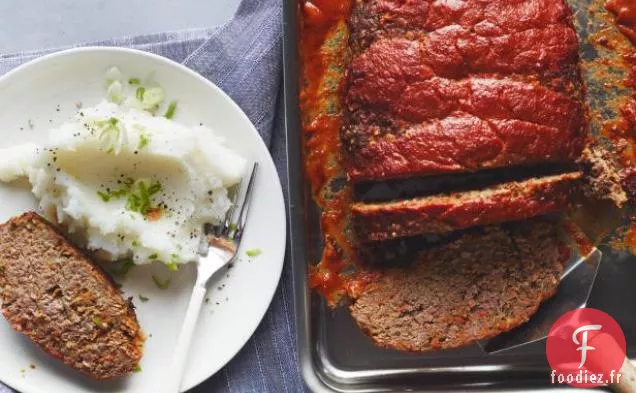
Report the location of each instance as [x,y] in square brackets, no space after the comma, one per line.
[135,243]
[173,265]
[110,134]
[124,268]
[161,284]
[143,298]
[140,197]
[113,194]
[154,188]
[118,193]
[137,369]
[253,252]
[153,256]
[171,109]
[114,92]
[134,81]
[133,203]
[233,227]
[105,197]
[152,98]
[139,93]
[143,141]
[97,321]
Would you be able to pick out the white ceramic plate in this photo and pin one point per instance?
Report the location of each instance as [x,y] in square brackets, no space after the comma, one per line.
[238,298]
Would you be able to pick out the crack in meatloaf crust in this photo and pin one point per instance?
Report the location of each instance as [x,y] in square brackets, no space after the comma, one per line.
[476,287]
[52,293]
[517,200]
[445,87]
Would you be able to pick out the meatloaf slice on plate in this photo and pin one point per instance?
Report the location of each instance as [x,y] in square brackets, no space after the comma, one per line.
[476,287]
[52,293]
[517,200]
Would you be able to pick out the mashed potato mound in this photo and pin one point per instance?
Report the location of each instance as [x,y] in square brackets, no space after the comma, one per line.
[131,184]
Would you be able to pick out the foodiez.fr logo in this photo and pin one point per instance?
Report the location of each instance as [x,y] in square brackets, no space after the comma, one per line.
[585,348]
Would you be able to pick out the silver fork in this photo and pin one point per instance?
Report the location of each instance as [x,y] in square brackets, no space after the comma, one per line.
[224,241]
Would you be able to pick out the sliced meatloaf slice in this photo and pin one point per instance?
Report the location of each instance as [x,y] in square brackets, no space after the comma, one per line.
[52,293]
[476,287]
[511,201]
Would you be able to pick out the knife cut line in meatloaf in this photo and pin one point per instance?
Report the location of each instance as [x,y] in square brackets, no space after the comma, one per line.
[445,213]
[442,87]
[53,294]
[473,288]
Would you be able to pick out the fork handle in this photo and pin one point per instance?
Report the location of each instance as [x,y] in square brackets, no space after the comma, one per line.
[174,374]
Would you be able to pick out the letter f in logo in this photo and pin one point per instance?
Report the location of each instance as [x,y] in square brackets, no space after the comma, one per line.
[584,347]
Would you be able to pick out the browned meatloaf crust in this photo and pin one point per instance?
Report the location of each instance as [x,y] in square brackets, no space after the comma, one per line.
[52,293]
[375,18]
[473,288]
[446,87]
[437,214]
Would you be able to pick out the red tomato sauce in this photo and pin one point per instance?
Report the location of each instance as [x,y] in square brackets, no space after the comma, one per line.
[336,274]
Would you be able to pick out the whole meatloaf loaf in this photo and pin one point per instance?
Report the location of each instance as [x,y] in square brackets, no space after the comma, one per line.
[52,293]
[457,87]
[485,282]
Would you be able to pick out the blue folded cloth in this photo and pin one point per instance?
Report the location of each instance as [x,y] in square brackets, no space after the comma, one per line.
[244,58]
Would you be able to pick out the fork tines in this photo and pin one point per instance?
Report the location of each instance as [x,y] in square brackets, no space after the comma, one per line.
[231,228]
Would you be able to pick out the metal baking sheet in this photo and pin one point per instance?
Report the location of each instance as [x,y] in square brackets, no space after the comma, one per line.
[336,356]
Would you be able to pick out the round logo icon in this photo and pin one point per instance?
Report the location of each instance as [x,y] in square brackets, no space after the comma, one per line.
[585,349]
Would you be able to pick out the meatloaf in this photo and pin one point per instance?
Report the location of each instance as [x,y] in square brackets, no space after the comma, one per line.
[482,284]
[471,82]
[438,88]
[53,294]
[438,214]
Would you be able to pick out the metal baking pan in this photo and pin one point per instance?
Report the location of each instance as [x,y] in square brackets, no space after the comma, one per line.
[336,356]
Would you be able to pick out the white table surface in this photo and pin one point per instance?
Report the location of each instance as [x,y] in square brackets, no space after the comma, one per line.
[37,24]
